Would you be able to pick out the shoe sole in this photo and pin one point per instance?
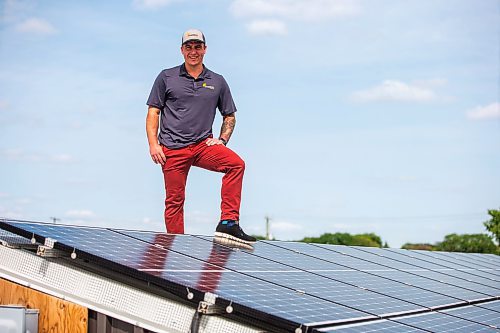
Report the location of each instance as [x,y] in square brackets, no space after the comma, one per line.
[231,237]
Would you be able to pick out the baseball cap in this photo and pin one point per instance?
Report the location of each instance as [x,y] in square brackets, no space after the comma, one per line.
[193,35]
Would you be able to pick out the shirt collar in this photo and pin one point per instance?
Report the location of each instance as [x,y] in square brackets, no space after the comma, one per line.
[205,73]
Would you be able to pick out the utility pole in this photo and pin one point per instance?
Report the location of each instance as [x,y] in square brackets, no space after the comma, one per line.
[54,219]
[267,226]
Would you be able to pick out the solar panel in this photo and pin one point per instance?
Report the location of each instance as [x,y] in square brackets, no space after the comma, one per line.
[457,269]
[488,260]
[416,287]
[476,314]
[291,272]
[379,326]
[440,273]
[11,239]
[494,306]
[286,286]
[475,267]
[443,323]
[175,271]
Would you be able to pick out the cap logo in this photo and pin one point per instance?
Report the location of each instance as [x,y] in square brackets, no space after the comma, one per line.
[193,34]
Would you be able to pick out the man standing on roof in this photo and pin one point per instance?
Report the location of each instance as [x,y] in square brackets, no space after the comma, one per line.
[182,105]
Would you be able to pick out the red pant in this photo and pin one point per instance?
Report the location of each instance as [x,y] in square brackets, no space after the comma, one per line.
[215,158]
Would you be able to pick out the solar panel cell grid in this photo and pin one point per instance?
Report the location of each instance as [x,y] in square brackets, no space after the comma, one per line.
[345,261]
[204,276]
[443,323]
[457,270]
[263,267]
[440,273]
[476,314]
[475,259]
[434,285]
[466,261]
[337,292]
[401,291]
[13,239]
[381,326]
[494,306]
[430,293]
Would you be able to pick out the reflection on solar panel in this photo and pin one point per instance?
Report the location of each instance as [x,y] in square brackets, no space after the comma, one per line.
[290,286]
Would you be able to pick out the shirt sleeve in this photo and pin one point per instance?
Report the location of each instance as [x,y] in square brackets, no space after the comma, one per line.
[158,92]
[226,104]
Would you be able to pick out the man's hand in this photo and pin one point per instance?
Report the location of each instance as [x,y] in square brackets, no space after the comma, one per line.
[157,154]
[212,142]
[152,123]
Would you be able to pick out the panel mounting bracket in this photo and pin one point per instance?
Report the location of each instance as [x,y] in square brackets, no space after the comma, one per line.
[210,309]
[208,306]
[48,252]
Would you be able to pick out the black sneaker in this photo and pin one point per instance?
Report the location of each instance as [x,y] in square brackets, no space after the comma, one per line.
[231,230]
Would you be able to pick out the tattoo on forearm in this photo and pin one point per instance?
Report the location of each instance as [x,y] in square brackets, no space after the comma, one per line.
[227,127]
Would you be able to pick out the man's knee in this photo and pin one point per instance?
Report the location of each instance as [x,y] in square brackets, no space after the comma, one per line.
[241,163]
[238,163]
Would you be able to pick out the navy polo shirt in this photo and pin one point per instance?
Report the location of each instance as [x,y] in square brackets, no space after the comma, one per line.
[188,104]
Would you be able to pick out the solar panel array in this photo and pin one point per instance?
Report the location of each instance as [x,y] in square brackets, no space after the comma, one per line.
[298,287]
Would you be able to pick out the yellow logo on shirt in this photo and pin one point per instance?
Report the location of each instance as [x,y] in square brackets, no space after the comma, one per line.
[205,85]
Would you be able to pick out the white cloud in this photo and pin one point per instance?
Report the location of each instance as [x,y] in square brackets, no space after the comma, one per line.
[302,10]
[434,83]
[392,90]
[491,111]
[267,27]
[20,155]
[152,4]
[36,26]
[80,214]
[62,158]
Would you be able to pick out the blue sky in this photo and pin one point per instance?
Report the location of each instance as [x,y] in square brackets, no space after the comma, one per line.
[353,116]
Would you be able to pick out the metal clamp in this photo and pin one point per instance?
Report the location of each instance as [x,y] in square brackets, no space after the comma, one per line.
[48,252]
[210,309]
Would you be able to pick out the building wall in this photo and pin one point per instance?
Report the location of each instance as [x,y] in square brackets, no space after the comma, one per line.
[56,315]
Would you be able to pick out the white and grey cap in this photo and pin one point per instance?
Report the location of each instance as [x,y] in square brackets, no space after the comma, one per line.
[193,35]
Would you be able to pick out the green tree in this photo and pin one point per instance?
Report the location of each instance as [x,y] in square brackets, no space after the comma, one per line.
[419,246]
[493,224]
[339,238]
[474,243]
